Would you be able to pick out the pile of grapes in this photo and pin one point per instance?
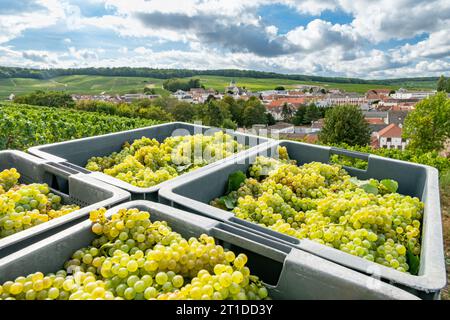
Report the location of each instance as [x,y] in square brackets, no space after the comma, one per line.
[323,203]
[146,162]
[134,258]
[23,206]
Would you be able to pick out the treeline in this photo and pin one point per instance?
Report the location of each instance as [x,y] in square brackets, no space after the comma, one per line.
[180,84]
[46,98]
[8,72]
[226,113]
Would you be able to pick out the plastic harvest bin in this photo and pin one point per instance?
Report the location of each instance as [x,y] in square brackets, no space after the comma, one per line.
[78,189]
[194,193]
[288,272]
[76,153]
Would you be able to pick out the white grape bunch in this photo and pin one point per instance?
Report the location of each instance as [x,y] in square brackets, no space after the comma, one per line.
[146,162]
[322,202]
[23,206]
[134,258]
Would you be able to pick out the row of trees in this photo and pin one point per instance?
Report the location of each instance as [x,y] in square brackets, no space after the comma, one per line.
[47,98]
[227,113]
[180,84]
[12,72]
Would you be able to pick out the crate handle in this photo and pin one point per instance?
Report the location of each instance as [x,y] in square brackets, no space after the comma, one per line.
[236,236]
[256,229]
[59,169]
[74,167]
[351,154]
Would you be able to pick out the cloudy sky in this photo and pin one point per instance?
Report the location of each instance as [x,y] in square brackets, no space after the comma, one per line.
[357,38]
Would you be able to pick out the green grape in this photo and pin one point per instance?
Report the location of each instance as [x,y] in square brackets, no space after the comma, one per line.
[146,162]
[24,206]
[166,266]
[323,203]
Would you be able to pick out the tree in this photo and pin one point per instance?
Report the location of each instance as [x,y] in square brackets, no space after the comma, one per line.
[428,126]
[229,124]
[47,98]
[442,84]
[180,84]
[297,119]
[214,114]
[270,119]
[286,112]
[155,113]
[183,111]
[235,109]
[345,124]
[312,113]
[148,90]
[254,112]
[280,88]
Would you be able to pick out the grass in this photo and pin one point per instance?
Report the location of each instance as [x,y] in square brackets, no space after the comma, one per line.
[119,85]
[79,84]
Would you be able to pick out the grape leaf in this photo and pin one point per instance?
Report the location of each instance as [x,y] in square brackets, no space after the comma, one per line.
[369,188]
[390,185]
[228,201]
[234,180]
[413,262]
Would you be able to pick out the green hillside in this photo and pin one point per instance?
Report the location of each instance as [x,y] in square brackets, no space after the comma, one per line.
[92,84]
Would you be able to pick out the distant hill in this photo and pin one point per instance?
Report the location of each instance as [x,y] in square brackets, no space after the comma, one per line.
[93,84]
[45,74]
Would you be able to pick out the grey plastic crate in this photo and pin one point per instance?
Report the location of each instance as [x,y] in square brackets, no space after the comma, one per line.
[196,191]
[75,153]
[288,272]
[76,188]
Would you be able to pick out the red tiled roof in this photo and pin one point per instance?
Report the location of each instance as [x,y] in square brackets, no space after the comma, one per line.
[375,120]
[282,101]
[391,131]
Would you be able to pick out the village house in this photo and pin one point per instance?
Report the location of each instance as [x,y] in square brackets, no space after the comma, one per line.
[275,107]
[339,100]
[389,137]
[234,89]
[406,94]
[377,94]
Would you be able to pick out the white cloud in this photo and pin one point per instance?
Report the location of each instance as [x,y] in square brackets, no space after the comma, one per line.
[13,24]
[142,50]
[83,54]
[230,34]
[319,35]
